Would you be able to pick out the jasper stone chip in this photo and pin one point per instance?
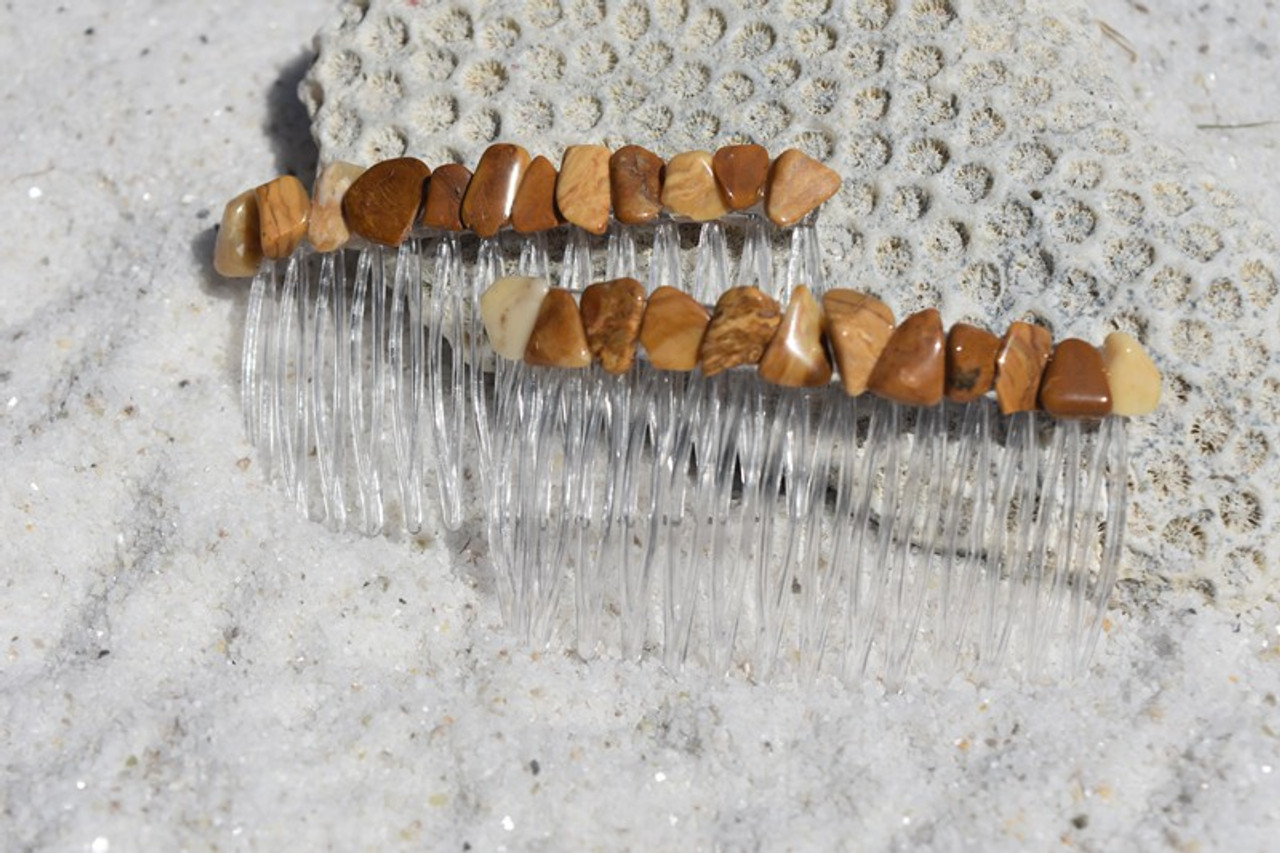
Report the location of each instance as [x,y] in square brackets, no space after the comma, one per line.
[859,327]
[382,204]
[689,188]
[1024,352]
[558,338]
[284,208]
[491,195]
[611,313]
[672,329]
[742,325]
[327,231]
[238,251]
[635,183]
[509,309]
[798,185]
[971,362]
[445,190]
[1075,382]
[582,190]
[741,171]
[535,208]
[796,357]
[1133,377]
[912,367]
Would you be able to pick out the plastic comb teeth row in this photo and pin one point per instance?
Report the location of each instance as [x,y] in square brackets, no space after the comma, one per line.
[716,519]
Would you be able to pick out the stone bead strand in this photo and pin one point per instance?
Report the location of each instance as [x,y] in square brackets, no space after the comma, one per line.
[510,189]
[850,334]
[916,362]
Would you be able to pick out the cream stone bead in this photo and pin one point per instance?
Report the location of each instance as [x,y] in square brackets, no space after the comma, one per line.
[1133,377]
[509,309]
[327,230]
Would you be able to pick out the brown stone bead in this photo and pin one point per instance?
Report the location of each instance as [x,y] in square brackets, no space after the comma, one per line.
[582,190]
[382,204]
[741,171]
[742,325]
[1075,382]
[491,195]
[635,182]
[796,357]
[689,187]
[327,231]
[558,338]
[859,327]
[971,362]
[672,329]
[912,367]
[445,190]
[535,208]
[1023,355]
[284,208]
[611,313]
[238,250]
[798,185]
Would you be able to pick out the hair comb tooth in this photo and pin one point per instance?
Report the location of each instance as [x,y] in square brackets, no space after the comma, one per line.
[876,498]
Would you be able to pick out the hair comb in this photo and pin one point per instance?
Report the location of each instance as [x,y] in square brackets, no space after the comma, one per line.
[685,438]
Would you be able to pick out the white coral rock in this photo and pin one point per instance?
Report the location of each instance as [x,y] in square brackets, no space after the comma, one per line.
[991,163]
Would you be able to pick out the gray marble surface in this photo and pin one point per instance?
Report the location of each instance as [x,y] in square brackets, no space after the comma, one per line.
[186,664]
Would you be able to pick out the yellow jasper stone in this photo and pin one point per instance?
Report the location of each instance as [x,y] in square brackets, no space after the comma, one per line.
[491,195]
[327,230]
[509,310]
[672,329]
[690,188]
[1132,375]
[912,368]
[798,185]
[283,211]
[582,190]
[743,324]
[859,327]
[238,251]
[558,338]
[1024,353]
[796,357]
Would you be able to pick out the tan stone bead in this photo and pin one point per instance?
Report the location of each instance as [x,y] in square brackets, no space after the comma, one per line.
[1075,382]
[689,187]
[635,183]
[912,368]
[443,208]
[509,308]
[582,190]
[558,338]
[283,211]
[796,357]
[859,327]
[1132,376]
[238,250]
[744,321]
[382,204]
[611,314]
[798,185]
[741,171]
[1024,352]
[672,329]
[327,231]
[535,208]
[971,362]
[491,195]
